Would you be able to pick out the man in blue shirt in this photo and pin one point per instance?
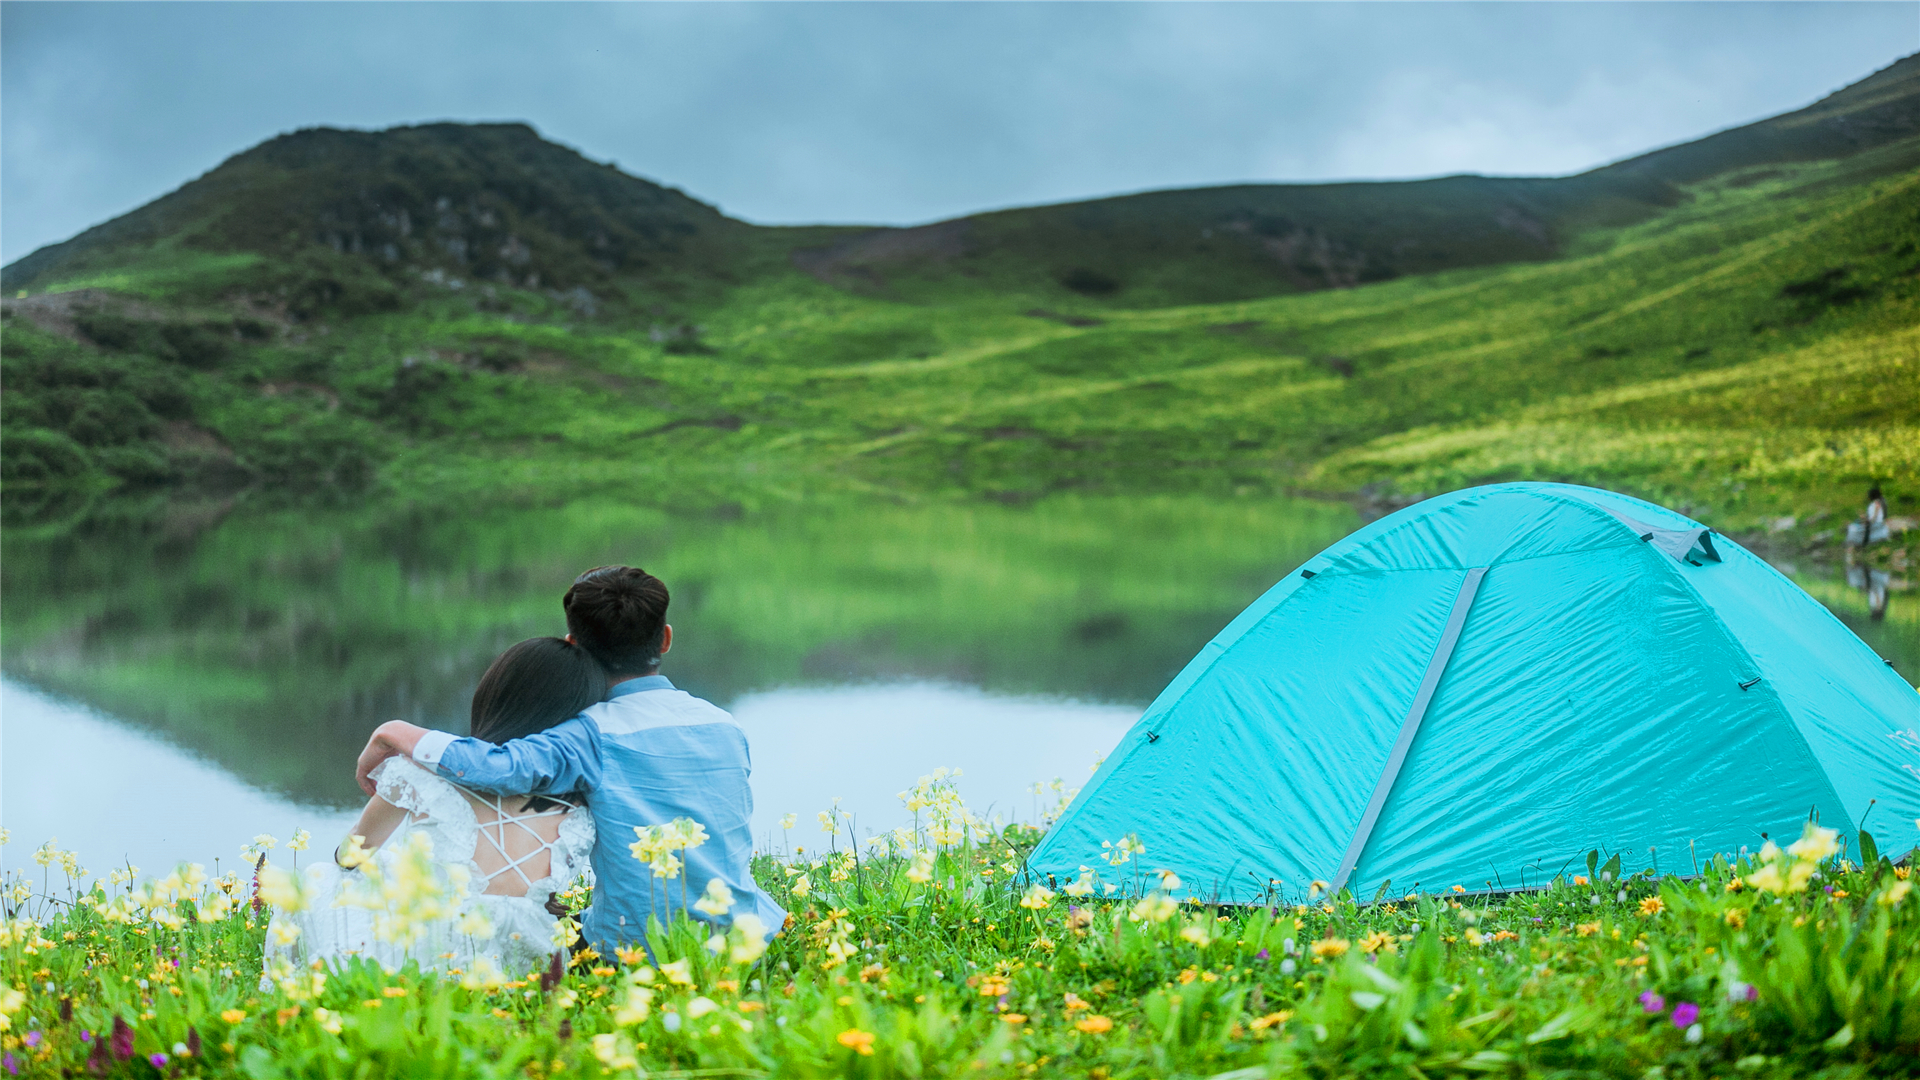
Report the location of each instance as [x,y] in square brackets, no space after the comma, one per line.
[646,756]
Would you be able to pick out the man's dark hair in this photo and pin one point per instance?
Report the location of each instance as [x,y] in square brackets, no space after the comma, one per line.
[533,686]
[619,615]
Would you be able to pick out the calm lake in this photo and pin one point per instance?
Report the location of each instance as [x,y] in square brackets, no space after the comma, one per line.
[180,677]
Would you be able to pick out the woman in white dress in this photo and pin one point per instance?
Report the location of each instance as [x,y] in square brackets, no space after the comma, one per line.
[455,879]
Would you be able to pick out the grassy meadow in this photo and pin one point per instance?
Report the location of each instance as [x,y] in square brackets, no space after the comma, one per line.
[929,954]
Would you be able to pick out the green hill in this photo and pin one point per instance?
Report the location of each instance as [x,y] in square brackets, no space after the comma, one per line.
[451,312]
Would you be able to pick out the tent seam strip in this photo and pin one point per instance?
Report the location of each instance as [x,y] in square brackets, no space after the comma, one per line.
[1410,726]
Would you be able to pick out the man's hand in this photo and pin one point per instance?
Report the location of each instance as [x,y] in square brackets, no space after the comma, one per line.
[395,738]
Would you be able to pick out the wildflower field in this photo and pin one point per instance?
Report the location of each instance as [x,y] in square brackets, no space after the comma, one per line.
[926,952]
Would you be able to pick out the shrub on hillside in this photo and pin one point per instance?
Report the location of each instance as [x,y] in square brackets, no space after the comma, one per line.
[39,456]
[313,454]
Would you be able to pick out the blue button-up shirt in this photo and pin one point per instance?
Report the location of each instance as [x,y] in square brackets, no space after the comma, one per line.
[645,756]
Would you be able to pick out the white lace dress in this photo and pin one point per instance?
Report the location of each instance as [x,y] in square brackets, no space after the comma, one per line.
[426,898]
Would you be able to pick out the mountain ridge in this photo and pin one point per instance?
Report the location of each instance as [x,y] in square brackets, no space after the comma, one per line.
[499,203]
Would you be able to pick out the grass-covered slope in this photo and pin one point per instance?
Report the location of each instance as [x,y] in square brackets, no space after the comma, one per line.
[473,312]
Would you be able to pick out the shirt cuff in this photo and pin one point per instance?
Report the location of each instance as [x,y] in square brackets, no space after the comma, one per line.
[431,745]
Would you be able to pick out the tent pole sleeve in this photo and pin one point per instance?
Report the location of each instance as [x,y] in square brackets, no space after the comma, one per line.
[1410,727]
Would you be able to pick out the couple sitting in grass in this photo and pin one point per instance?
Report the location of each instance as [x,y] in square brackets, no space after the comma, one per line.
[578,745]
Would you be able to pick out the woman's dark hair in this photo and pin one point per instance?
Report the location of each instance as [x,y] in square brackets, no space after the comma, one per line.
[1873,493]
[533,686]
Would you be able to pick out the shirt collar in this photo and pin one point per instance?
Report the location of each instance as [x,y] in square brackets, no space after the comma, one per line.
[635,686]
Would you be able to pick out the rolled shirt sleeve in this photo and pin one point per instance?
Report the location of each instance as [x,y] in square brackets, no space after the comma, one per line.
[431,745]
[562,759]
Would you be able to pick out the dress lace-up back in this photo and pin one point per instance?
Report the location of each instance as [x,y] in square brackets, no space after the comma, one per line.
[506,858]
[532,833]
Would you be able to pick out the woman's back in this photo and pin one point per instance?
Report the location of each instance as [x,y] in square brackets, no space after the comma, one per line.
[514,847]
[497,858]
[451,877]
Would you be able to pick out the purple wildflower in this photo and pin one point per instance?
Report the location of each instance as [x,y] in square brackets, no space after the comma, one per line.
[556,972]
[12,1069]
[85,1035]
[1653,1003]
[1753,992]
[1261,955]
[159,1061]
[1685,1013]
[122,1039]
[32,1039]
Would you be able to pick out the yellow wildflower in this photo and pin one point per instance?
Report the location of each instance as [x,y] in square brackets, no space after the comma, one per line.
[921,870]
[1125,848]
[1155,908]
[861,1042]
[635,1009]
[1332,946]
[1271,1019]
[283,890]
[1094,1025]
[1652,905]
[716,900]
[1377,942]
[748,938]
[1815,844]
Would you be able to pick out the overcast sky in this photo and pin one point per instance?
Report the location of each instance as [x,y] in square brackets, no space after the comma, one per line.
[902,113]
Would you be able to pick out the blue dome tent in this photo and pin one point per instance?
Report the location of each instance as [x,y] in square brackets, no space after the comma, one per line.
[1480,688]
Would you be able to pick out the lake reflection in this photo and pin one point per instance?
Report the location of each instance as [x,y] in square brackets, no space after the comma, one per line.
[116,794]
[137,798]
[271,643]
[240,657]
